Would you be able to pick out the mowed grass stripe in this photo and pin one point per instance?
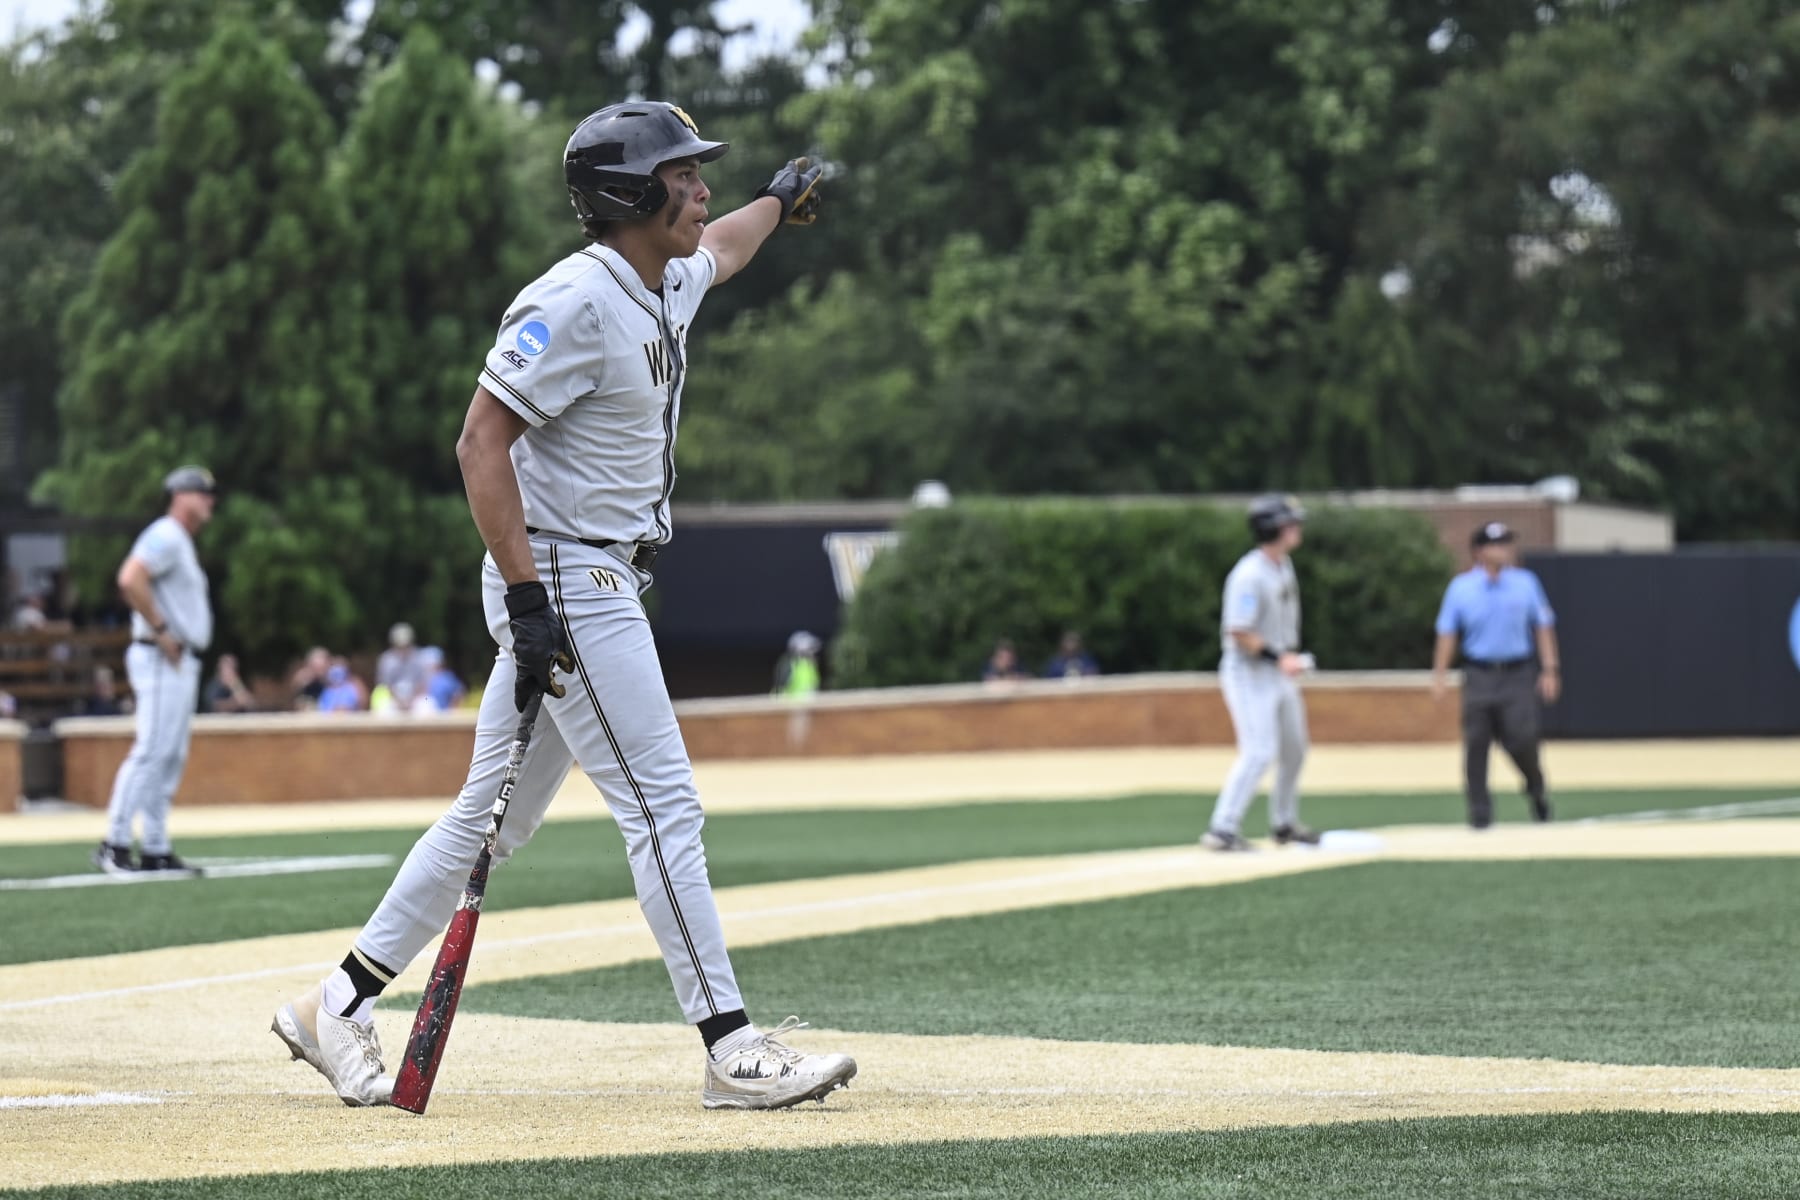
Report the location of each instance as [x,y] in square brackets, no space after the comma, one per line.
[1638,962]
[1597,1156]
[575,861]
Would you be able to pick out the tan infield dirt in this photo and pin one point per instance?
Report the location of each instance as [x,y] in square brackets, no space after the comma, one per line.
[908,781]
[189,1032]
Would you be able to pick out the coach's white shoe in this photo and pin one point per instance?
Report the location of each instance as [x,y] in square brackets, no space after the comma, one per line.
[765,1073]
[346,1052]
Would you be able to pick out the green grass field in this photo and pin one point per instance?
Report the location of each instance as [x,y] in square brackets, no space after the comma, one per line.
[1566,960]
[584,860]
[1598,1156]
[1675,962]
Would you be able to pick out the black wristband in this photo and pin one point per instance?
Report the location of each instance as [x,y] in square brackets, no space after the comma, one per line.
[1268,653]
[523,598]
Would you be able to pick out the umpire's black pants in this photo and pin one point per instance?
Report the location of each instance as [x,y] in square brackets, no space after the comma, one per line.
[1501,702]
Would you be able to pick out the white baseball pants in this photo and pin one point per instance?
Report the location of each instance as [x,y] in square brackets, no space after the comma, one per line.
[616,720]
[166,694]
[1270,718]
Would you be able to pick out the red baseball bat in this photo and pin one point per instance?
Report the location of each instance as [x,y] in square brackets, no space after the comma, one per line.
[431,1028]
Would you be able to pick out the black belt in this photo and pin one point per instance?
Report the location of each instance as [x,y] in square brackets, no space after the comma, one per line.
[185,649]
[1504,664]
[643,554]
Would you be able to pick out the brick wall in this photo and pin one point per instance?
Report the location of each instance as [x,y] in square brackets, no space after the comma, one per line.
[1146,710]
[12,770]
[279,759]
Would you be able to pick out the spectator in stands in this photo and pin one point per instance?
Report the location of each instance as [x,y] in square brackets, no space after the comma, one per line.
[443,690]
[30,615]
[797,671]
[343,691]
[9,707]
[1071,660]
[1003,664]
[225,692]
[399,670]
[104,700]
[63,600]
[309,678]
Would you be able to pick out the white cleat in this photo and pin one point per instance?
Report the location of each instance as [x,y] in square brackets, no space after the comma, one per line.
[769,1074]
[1226,842]
[346,1052]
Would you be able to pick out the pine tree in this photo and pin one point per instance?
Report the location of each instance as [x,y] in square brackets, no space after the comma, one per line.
[220,326]
[440,249]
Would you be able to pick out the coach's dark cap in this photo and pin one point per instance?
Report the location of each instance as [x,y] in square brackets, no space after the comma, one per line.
[1491,533]
[189,479]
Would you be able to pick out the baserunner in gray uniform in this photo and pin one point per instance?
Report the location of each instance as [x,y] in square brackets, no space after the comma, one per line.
[1260,631]
[171,624]
[568,454]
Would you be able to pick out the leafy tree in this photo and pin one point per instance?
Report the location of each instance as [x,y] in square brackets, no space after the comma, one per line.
[1608,280]
[562,54]
[219,325]
[1156,282]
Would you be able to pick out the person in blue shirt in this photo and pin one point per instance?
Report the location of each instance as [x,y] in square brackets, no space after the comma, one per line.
[1071,660]
[1498,615]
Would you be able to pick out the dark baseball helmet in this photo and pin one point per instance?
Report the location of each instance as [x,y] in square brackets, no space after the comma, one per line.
[610,165]
[189,479]
[1269,515]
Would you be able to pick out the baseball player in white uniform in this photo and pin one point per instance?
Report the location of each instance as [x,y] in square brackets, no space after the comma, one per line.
[568,457]
[1260,630]
[171,624]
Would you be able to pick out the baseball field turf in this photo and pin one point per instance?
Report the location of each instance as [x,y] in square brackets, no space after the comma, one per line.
[1046,999]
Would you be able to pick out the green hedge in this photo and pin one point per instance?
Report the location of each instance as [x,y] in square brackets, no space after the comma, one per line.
[1140,579]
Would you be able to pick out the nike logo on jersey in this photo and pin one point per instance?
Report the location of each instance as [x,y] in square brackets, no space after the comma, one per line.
[678,285]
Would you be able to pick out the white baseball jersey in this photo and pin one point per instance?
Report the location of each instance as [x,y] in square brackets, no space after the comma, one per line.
[1261,597]
[594,361]
[178,583]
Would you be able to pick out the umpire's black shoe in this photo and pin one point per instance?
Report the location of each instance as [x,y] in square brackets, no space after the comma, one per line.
[114,860]
[1540,811]
[166,862]
[1299,835]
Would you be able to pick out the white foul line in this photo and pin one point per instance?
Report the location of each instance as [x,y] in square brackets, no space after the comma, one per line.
[228,868]
[1710,812]
[881,899]
[79,1100]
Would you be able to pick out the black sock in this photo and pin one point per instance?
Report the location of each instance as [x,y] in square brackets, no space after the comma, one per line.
[714,1028]
[366,982]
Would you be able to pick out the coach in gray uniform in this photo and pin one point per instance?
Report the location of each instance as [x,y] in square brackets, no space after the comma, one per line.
[171,624]
[1260,629]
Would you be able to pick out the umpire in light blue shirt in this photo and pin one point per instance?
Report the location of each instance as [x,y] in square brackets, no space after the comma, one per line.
[1500,617]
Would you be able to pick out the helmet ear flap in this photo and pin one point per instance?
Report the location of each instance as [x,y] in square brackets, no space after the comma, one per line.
[617,196]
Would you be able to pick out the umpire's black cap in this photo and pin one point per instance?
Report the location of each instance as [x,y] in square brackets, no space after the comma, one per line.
[1491,534]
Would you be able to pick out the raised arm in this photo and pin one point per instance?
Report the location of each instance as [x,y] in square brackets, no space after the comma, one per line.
[791,197]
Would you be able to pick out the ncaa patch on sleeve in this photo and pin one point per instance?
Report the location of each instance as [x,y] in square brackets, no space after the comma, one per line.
[534,339]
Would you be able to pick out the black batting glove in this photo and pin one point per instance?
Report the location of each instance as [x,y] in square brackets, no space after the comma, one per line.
[540,643]
[797,187]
